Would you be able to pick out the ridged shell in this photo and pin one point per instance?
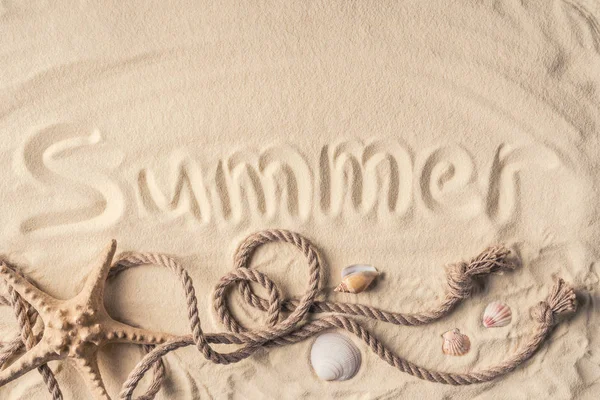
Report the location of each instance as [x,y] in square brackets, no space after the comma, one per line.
[497,314]
[356,278]
[335,357]
[455,343]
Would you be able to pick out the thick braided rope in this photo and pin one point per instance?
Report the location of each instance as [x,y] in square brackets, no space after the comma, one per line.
[291,330]
[460,279]
[459,276]
[26,318]
[253,338]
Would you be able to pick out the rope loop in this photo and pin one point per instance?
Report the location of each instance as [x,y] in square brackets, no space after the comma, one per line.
[461,278]
[274,305]
[247,275]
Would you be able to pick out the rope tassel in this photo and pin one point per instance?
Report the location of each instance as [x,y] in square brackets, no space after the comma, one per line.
[295,327]
[462,276]
[561,300]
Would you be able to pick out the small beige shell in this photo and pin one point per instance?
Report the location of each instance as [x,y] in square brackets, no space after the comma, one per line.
[455,343]
[497,314]
[356,278]
[335,357]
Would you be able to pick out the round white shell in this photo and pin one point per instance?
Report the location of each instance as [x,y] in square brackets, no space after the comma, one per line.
[335,357]
[497,314]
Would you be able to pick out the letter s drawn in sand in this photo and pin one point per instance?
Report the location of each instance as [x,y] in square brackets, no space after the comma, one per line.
[43,159]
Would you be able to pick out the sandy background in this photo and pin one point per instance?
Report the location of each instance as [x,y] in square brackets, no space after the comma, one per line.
[403,134]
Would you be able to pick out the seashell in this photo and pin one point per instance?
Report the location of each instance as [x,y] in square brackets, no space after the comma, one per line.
[335,357]
[497,314]
[455,343]
[356,278]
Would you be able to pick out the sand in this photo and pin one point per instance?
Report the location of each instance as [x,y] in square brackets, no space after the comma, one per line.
[402,134]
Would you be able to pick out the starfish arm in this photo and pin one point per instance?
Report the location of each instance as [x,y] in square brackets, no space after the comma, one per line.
[93,289]
[33,358]
[88,367]
[41,301]
[118,332]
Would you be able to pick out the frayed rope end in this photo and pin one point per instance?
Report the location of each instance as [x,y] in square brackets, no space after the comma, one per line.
[561,300]
[491,260]
[460,276]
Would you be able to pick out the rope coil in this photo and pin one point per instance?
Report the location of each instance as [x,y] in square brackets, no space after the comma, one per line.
[295,327]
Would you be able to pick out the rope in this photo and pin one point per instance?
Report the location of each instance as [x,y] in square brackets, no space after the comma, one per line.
[279,331]
[461,278]
[26,318]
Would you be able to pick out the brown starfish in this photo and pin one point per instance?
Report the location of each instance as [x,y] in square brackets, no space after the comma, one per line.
[76,328]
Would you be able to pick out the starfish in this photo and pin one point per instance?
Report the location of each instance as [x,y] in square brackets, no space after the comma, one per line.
[76,328]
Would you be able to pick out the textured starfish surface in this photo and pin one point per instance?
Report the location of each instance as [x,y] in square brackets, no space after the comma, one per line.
[76,328]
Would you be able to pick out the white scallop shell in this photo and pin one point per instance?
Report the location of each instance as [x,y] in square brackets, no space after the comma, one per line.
[497,314]
[335,357]
[356,278]
[455,343]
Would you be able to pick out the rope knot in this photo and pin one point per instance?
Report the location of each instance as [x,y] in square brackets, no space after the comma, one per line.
[462,276]
[561,300]
[274,305]
[460,282]
[542,314]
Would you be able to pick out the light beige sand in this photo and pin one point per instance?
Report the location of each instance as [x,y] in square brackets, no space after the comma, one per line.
[403,135]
